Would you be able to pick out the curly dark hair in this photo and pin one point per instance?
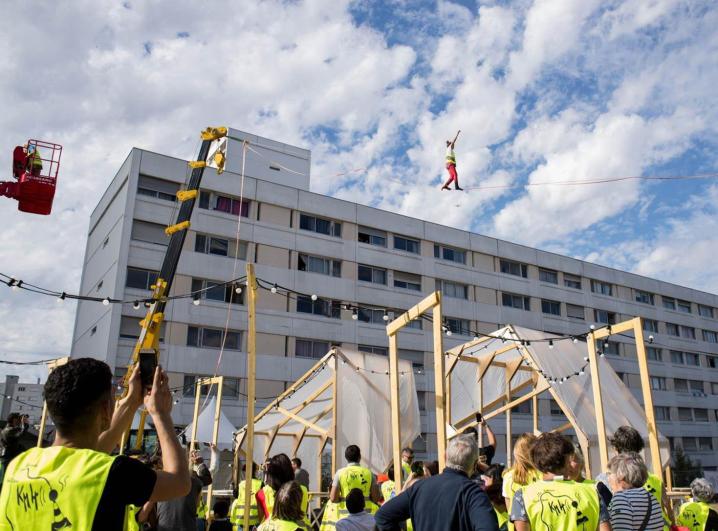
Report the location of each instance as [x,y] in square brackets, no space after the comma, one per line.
[550,452]
[278,471]
[74,391]
[627,439]
[352,454]
[288,503]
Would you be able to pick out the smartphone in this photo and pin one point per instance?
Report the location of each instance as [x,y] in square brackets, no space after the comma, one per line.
[479,417]
[148,364]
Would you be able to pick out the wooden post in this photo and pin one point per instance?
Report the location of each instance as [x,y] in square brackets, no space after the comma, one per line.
[534,406]
[598,401]
[439,380]
[193,435]
[481,410]
[215,431]
[647,397]
[251,386]
[395,419]
[43,421]
[335,416]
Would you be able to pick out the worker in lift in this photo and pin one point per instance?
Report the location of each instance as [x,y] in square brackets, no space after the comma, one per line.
[19,160]
[34,162]
[451,164]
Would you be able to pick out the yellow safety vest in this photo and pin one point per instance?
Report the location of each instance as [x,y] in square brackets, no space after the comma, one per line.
[406,469]
[131,523]
[202,508]
[269,495]
[503,518]
[351,477]
[654,485]
[51,488]
[280,525]
[693,515]
[561,505]
[450,157]
[35,159]
[236,513]
[387,490]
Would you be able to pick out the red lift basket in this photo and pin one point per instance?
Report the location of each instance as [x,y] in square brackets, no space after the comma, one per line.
[35,186]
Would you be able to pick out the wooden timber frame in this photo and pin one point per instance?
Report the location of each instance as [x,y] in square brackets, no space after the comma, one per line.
[634,325]
[432,304]
[51,365]
[201,383]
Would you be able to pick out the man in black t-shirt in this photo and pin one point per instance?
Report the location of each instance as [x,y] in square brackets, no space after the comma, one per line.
[77,480]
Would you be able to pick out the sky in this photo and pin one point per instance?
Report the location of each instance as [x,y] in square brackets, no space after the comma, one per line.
[543,91]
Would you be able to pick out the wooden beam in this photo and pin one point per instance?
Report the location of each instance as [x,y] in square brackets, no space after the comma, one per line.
[251,385]
[563,427]
[215,430]
[647,397]
[413,313]
[470,344]
[301,420]
[597,401]
[463,422]
[535,413]
[395,409]
[335,422]
[613,329]
[439,382]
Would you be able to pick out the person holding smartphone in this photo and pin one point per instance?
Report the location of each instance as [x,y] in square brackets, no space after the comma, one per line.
[486,453]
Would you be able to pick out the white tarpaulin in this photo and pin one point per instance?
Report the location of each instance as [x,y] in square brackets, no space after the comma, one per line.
[363,414]
[564,359]
[205,427]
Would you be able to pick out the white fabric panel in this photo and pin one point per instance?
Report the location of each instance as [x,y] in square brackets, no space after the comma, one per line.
[205,427]
[364,412]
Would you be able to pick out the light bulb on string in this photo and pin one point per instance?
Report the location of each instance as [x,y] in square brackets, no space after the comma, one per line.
[355,315]
[385,316]
[148,304]
[314,296]
[650,339]
[105,301]
[195,301]
[550,343]
[136,305]
[62,296]
[238,290]
[575,340]
[448,332]
[15,284]
[592,327]
[274,289]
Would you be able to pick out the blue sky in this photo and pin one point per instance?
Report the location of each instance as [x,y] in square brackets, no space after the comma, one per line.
[543,90]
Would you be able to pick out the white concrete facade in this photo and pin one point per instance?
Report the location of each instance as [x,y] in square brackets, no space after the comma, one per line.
[125,237]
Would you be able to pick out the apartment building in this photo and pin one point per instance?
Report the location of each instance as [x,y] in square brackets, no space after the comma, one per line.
[21,397]
[347,253]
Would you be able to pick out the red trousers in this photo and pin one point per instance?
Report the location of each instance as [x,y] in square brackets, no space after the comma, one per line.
[453,176]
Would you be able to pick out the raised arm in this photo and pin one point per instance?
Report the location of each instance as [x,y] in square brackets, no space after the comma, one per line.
[123,415]
[173,481]
[455,138]
[489,433]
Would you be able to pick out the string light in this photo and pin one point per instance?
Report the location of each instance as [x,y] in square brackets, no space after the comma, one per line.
[550,344]
[314,296]
[355,315]
[195,301]
[105,301]
[238,290]
[274,289]
[385,317]
[62,297]
[136,305]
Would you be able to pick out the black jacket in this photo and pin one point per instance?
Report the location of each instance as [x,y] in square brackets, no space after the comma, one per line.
[447,502]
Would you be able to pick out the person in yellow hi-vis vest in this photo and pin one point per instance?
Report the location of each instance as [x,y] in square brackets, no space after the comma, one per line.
[33,163]
[554,503]
[278,471]
[75,483]
[236,513]
[387,487]
[697,514]
[521,473]
[407,458]
[353,476]
[287,513]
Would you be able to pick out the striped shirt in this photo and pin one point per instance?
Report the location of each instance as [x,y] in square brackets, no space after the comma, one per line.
[628,509]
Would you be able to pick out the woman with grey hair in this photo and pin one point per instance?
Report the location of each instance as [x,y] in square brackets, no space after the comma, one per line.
[632,507]
[697,515]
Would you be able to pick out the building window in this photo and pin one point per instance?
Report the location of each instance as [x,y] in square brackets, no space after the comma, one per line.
[453,289]
[700,414]
[310,348]
[680,385]
[524,408]
[407,244]
[550,307]
[458,326]
[685,414]
[571,281]
[650,325]
[658,383]
[714,388]
[705,444]
[223,203]
[677,357]
[158,188]
[320,225]
[712,362]
[407,281]
[374,275]
[140,278]
[710,336]
[705,311]
[450,254]
[548,275]
[684,306]
[602,288]
[692,359]
[662,412]
[669,302]
[216,291]
[322,307]
[672,329]
[696,387]
[230,388]
[317,264]
[513,268]
[207,244]
[372,236]
[144,231]
[654,353]
[645,297]
[130,328]
[212,338]
[575,312]
[556,410]
[520,302]
[688,332]
[604,316]
[610,348]
[689,443]
[380,351]
[371,315]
